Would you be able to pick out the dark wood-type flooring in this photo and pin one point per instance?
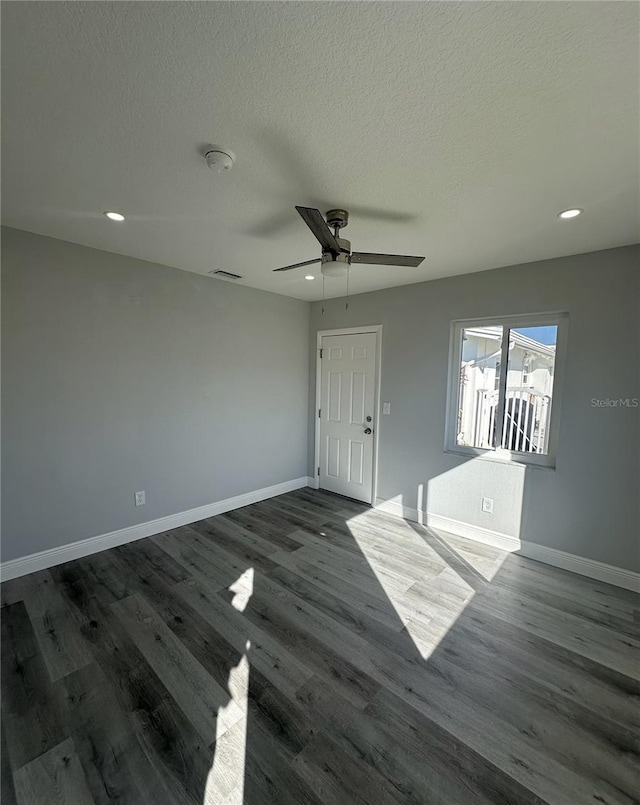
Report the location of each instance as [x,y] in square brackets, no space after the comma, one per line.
[308,649]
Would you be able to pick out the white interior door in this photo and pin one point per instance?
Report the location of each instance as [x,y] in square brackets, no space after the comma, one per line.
[348,369]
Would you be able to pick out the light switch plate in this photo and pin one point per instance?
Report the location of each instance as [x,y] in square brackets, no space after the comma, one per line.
[386,408]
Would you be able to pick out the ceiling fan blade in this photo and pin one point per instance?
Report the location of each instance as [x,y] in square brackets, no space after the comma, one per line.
[385,259]
[297,265]
[316,223]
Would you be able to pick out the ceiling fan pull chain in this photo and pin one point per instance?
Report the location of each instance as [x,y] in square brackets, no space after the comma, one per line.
[323,294]
[346,307]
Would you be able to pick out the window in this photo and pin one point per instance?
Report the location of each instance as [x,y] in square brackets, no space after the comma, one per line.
[503,387]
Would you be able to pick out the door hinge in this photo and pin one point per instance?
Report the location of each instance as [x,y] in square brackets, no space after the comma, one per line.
[319,412]
[318,470]
[321,351]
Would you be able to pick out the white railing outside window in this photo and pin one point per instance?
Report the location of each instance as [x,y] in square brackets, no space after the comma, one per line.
[525,425]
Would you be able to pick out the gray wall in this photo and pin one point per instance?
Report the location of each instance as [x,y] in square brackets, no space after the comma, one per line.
[588,505]
[122,375]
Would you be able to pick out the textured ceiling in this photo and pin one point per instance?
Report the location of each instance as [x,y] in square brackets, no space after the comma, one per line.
[470,124]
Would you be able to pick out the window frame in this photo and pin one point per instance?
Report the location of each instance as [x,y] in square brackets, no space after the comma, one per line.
[510,322]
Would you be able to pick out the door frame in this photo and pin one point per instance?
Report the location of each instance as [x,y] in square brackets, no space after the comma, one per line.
[372,328]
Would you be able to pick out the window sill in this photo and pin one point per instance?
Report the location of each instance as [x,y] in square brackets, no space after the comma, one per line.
[504,457]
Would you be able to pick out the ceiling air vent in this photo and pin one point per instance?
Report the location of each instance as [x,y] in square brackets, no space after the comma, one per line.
[226,274]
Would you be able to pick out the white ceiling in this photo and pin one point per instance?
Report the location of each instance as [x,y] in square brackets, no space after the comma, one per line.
[472,124]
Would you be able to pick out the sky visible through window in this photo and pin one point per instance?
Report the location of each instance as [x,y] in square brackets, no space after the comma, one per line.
[544,335]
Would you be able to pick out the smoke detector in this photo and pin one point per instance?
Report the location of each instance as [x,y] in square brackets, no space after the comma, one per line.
[219,159]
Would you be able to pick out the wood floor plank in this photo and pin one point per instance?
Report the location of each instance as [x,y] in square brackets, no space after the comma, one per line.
[337,596]
[54,778]
[269,777]
[419,760]
[336,777]
[61,644]
[289,515]
[225,780]
[115,766]
[145,553]
[596,603]
[358,573]
[330,533]
[331,502]
[596,748]
[607,692]
[202,700]
[30,709]
[405,553]
[13,591]
[179,544]
[226,545]
[225,531]
[348,680]
[269,656]
[106,578]
[271,527]
[283,718]
[605,646]
[374,547]
[7,789]
[216,655]
[169,741]
[451,771]
[307,511]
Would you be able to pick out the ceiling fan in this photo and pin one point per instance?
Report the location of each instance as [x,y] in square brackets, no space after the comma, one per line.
[336,251]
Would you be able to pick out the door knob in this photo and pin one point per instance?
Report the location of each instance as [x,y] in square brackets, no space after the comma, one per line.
[367,430]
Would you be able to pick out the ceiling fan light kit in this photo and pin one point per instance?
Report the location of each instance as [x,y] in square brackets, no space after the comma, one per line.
[335,265]
[337,256]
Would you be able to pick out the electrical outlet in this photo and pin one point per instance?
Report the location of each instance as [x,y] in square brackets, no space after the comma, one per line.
[487,505]
[140,498]
[386,408]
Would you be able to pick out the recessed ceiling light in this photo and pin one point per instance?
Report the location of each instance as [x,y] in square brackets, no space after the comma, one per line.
[114,216]
[570,213]
[309,277]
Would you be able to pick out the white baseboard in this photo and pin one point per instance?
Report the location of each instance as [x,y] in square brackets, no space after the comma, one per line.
[475,532]
[610,574]
[618,576]
[76,550]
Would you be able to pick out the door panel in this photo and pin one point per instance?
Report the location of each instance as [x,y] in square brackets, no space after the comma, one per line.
[358,399]
[334,397]
[333,457]
[347,400]
[356,460]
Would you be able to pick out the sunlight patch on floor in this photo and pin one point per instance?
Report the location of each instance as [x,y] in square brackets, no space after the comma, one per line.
[225,781]
[430,578]
[243,589]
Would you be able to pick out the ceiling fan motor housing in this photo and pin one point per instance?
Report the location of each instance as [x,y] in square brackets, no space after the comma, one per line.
[339,218]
